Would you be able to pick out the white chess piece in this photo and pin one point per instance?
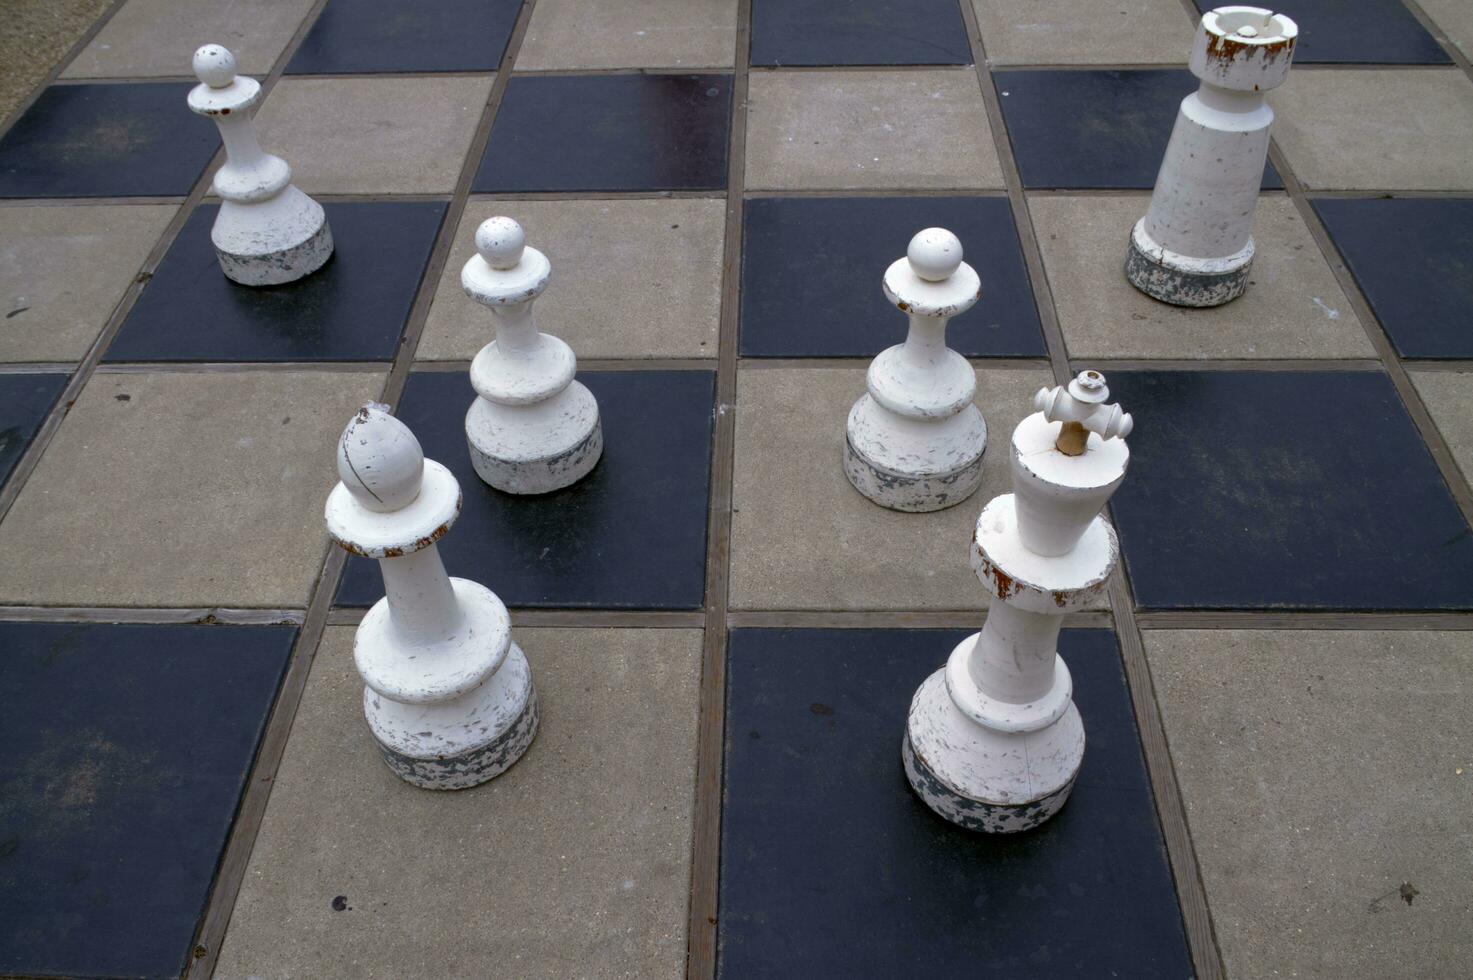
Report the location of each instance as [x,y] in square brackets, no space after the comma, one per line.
[915,440]
[267,231]
[533,428]
[1194,246]
[993,741]
[448,695]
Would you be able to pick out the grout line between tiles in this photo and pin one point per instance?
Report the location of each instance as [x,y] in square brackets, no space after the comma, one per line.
[54,74]
[1195,619]
[1440,36]
[1229,364]
[247,824]
[150,614]
[910,619]
[705,866]
[1191,895]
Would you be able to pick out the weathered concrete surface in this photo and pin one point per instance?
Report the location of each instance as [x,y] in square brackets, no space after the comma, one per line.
[63,269]
[631,278]
[803,538]
[1406,129]
[573,863]
[368,135]
[858,129]
[182,489]
[1067,32]
[568,34]
[156,37]
[1449,397]
[38,34]
[1326,775]
[1294,308]
[1455,17]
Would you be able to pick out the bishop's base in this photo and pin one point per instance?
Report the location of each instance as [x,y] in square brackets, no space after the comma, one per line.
[533,476]
[982,778]
[281,266]
[473,767]
[915,494]
[1184,287]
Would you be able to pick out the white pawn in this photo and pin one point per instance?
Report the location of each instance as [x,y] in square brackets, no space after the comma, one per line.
[533,429]
[449,694]
[993,741]
[915,440]
[1194,247]
[267,232]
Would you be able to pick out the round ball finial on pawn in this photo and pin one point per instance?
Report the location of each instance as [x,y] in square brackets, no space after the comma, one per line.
[501,242]
[214,65]
[934,254]
[380,461]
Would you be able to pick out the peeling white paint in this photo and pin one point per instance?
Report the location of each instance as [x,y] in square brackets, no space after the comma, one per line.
[532,428]
[267,232]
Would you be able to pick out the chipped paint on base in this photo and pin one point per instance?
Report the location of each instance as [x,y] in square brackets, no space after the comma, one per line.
[474,766]
[564,467]
[981,778]
[1183,287]
[912,493]
[286,264]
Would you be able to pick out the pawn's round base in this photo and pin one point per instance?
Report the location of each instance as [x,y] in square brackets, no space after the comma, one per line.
[983,779]
[910,464]
[554,449]
[1182,281]
[272,242]
[914,494]
[503,744]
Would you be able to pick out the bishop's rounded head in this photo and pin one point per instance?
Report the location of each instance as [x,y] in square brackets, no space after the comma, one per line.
[500,241]
[379,460]
[214,65]
[934,254]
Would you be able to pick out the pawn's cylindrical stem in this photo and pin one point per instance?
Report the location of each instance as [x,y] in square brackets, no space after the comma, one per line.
[925,341]
[422,603]
[1014,657]
[516,330]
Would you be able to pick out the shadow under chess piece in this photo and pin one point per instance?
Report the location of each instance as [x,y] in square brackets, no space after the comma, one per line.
[448,693]
[993,741]
[267,232]
[1194,247]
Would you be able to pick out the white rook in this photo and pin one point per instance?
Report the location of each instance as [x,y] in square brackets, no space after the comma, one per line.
[1194,247]
[532,428]
[915,440]
[267,232]
[448,693]
[993,741]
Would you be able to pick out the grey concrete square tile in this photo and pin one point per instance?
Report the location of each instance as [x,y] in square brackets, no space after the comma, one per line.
[1455,19]
[1293,308]
[803,538]
[574,862]
[63,269]
[182,489]
[1322,772]
[367,135]
[1400,129]
[631,278]
[578,34]
[1448,395]
[1066,32]
[150,38]
[868,129]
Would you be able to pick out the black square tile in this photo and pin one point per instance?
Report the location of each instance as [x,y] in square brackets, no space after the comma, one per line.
[811,272]
[352,309]
[389,35]
[1413,259]
[1284,490]
[858,32]
[1096,128]
[832,867]
[25,401]
[124,753]
[1367,32]
[629,535]
[96,140]
[609,133]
